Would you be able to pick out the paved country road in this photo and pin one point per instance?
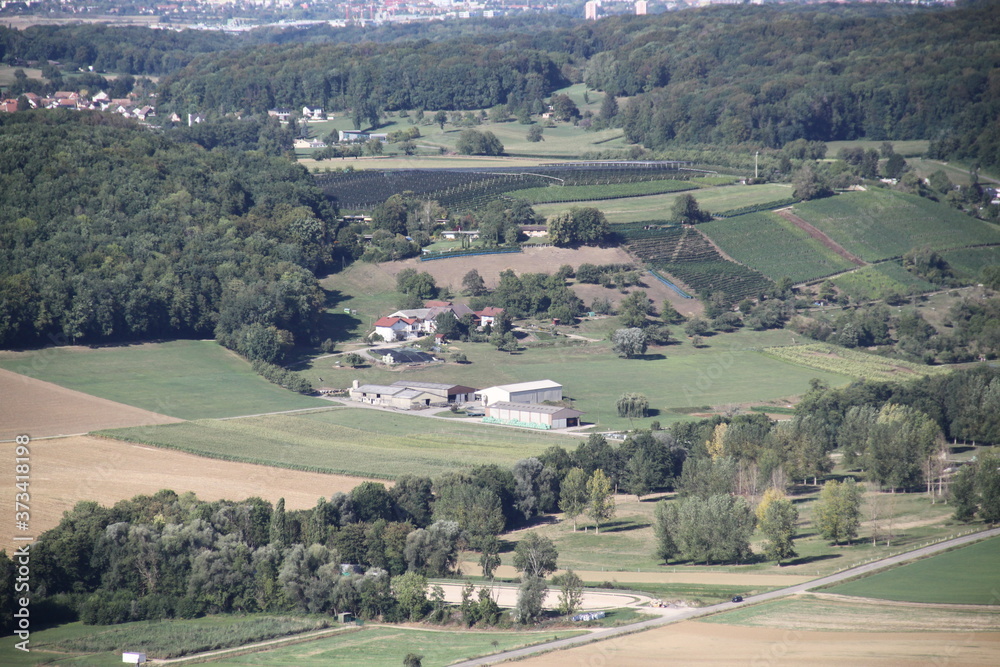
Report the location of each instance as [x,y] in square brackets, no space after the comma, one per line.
[675,615]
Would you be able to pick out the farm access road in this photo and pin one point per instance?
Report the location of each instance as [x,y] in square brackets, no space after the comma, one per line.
[675,615]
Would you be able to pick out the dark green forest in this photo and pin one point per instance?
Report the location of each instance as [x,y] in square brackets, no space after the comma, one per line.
[109,232]
[366,78]
[724,75]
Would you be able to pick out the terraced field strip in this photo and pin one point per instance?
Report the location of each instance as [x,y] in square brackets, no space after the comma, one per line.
[820,236]
[851,362]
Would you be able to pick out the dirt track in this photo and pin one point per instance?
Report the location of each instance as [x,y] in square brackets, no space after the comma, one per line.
[820,236]
[65,471]
[665,577]
[41,409]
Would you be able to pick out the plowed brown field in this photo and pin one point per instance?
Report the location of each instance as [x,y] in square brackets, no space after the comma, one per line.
[41,409]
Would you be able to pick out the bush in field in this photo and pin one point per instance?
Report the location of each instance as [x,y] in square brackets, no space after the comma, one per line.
[474,142]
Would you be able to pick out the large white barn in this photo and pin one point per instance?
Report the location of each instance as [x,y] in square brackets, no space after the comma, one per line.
[537,391]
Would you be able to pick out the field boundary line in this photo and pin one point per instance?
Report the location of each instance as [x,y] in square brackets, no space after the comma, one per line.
[277,642]
[815,233]
[279,412]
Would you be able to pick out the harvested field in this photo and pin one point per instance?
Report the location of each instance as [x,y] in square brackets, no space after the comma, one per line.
[543,260]
[845,614]
[699,643]
[41,409]
[65,471]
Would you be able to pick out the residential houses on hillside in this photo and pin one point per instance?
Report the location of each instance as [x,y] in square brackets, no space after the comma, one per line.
[130,107]
[419,322]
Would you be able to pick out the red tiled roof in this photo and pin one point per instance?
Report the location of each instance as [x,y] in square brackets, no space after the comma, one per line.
[390,321]
[489,311]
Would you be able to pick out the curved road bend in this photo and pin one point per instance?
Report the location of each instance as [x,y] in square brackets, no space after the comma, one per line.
[673,616]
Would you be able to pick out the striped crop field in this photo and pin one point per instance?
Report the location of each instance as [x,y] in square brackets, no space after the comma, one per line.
[853,363]
[657,207]
[879,224]
[774,246]
[360,442]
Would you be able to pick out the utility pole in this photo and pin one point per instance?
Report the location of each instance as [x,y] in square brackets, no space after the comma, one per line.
[756,153]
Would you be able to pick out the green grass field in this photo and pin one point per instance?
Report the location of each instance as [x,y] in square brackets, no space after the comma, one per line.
[366,290]
[350,441]
[879,224]
[7,74]
[389,645]
[657,207]
[79,644]
[812,613]
[907,149]
[774,246]
[968,575]
[188,379]
[91,646]
[562,141]
[727,370]
[878,281]
[853,363]
[576,193]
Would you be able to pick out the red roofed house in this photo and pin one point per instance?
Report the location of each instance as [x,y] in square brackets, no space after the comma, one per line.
[397,328]
[488,315]
[8,106]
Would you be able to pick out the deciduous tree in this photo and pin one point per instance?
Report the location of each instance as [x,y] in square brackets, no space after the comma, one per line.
[838,511]
[601,506]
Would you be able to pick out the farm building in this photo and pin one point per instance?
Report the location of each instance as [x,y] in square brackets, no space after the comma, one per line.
[396,327]
[488,315]
[538,391]
[353,136]
[534,231]
[446,393]
[417,322]
[402,355]
[531,415]
[392,396]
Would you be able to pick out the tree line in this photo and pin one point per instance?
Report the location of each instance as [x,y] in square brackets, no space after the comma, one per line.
[367,552]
